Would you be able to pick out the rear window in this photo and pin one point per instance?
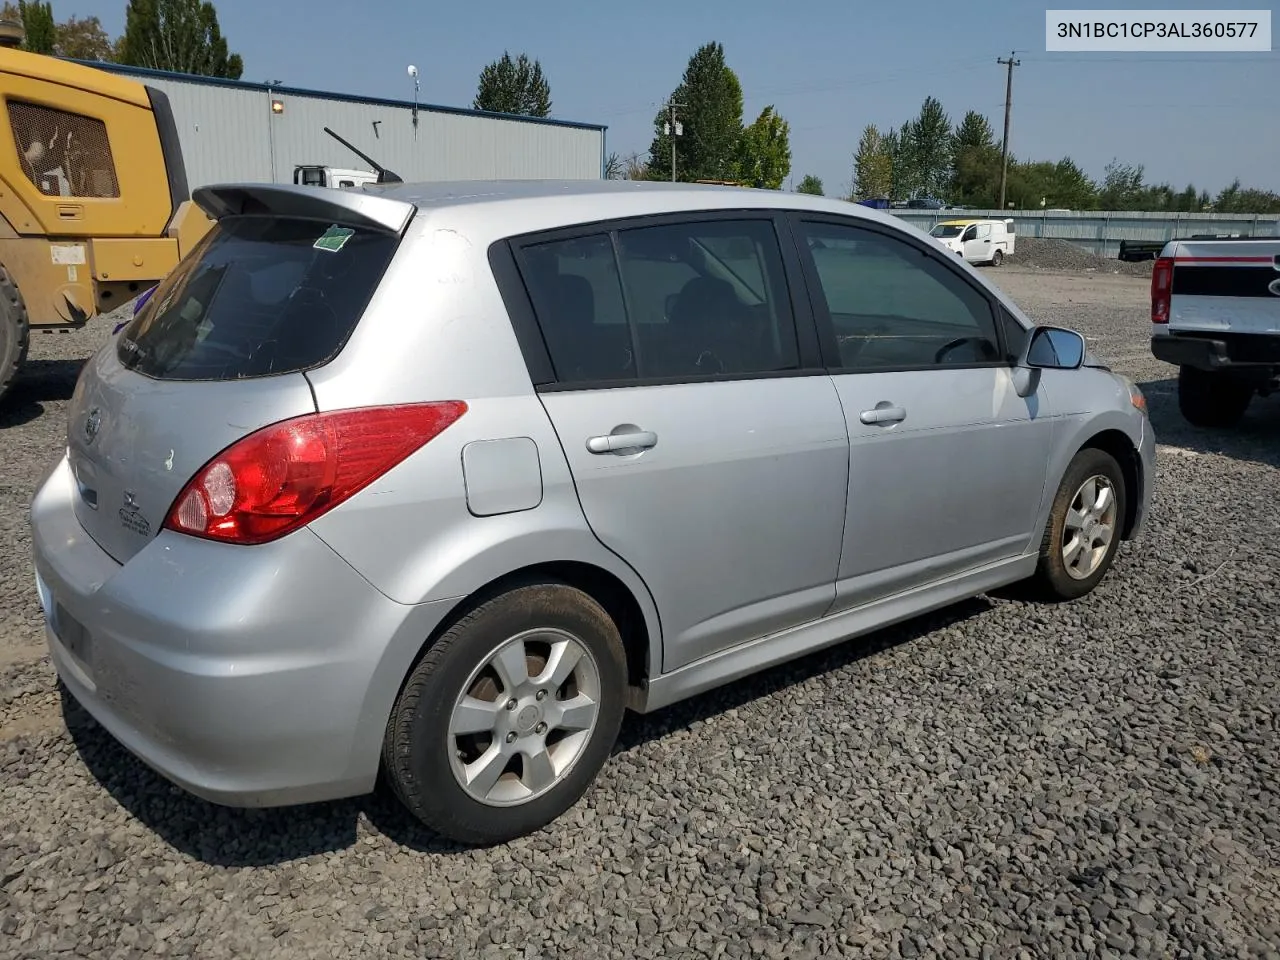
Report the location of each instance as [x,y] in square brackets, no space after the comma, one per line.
[260,296]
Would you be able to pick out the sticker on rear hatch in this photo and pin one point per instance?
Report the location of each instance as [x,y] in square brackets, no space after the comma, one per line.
[334,239]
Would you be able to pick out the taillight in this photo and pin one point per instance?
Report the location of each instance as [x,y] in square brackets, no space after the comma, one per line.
[285,475]
[1161,283]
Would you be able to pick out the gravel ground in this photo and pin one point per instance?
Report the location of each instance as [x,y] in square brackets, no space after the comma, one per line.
[1051,254]
[1002,779]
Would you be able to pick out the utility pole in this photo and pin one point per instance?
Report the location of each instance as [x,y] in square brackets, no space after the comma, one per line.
[1008,102]
[673,128]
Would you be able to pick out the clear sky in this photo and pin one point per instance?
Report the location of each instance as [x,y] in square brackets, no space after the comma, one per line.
[829,68]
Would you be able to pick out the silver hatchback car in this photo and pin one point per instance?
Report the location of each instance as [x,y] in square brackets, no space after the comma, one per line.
[432,483]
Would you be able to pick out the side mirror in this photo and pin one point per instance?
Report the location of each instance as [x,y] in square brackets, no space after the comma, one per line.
[1053,348]
[1047,348]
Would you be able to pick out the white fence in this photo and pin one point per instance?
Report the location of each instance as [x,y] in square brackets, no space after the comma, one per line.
[1100,231]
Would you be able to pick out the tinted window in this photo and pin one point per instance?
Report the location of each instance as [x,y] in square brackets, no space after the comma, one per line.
[894,306]
[577,297]
[686,300]
[259,296]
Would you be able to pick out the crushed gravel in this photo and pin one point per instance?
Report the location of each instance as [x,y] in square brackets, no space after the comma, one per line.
[1052,254]
[1000,779]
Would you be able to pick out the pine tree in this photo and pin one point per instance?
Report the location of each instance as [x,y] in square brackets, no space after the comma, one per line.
[514,86]
[178,35]
[711,117]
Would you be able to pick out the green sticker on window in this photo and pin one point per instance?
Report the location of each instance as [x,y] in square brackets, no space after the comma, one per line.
[334,239]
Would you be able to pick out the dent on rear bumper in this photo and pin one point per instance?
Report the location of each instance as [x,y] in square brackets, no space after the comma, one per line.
[250,676]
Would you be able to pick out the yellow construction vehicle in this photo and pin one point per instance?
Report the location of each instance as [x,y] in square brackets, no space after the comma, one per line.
[94,203]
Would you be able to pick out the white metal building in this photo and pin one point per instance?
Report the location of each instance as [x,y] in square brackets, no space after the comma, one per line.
[234,130]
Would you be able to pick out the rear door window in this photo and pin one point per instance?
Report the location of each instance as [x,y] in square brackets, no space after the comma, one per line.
[676,301]
[260,296]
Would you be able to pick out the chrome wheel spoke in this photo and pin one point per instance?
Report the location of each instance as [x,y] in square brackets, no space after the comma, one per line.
[483,773]
[1102,535]
[473,715]
[512,667]
[539,772]
[560,665]
[1075,519]
[1102,502]
[1071,552]
[1089,494]
[576,714]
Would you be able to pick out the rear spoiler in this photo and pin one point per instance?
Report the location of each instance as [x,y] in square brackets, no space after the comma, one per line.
[350,208]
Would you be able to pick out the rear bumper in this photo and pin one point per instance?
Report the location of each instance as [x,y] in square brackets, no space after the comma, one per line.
[248,676]
[1210,352]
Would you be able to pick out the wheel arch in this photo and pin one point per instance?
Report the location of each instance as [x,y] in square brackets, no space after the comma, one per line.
[634,616]
[1119,445]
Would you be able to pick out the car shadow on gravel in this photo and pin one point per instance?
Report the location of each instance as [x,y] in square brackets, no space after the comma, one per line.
[232,837]
[229,836]
[1256,438]
[39,382]
[638,729]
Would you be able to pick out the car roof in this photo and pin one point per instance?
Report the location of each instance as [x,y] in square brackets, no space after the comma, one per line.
[512,207]
[609,199]
[492,209]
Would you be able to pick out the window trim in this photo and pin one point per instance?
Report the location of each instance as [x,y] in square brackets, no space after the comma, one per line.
[822,315]
[510,268]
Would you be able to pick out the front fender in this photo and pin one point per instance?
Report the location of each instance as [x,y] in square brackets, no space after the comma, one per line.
[1097,406]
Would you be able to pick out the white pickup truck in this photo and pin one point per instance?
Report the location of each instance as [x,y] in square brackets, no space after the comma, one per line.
[1215,313]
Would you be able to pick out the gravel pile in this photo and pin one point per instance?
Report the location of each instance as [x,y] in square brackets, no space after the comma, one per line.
[1000,779]
[1049,254]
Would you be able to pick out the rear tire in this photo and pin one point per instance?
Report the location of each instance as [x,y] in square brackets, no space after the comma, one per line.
[499,729]
[1212,398]
[1083,533]
[997,258]
[15,331]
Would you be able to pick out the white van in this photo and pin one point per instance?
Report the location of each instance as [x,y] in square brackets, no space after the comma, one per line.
[319,176]
[978,241]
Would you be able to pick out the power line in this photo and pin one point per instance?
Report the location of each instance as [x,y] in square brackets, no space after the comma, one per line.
[1008,103]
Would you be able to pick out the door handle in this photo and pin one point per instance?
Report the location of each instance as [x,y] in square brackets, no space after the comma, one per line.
[885,414]
[615,442]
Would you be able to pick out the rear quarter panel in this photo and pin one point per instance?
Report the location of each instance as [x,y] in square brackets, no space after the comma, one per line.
[438,330]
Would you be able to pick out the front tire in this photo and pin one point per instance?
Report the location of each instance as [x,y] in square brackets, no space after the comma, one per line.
[1083,533]
[508,717]
[15,331]
[1210,398]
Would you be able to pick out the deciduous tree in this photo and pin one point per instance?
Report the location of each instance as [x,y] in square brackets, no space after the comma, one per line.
[811,185]
[764,151]
[82,38]
[873,165]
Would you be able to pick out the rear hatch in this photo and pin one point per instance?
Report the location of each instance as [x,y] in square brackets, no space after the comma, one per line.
[221,348]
